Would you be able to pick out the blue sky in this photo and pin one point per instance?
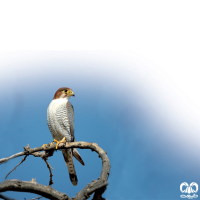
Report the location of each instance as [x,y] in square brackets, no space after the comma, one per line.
[142,107]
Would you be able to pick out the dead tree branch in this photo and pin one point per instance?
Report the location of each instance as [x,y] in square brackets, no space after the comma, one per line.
[49,167]
[25,186]
[23,159]
[96,186]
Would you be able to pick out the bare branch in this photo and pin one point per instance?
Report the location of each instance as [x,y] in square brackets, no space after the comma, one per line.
[49,167]
[23,159]
[25,186]
[4,160]
[25,152]
[97,186]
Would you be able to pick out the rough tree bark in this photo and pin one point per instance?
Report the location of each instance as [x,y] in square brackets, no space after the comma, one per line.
[96,186]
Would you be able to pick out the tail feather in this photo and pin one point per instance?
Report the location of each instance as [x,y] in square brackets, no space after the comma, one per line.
[67,154]
[78,156]
[73,179]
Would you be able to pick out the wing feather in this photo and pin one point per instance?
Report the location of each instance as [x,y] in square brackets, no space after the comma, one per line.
[70,115]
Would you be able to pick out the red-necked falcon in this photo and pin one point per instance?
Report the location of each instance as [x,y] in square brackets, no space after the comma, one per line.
[60,120]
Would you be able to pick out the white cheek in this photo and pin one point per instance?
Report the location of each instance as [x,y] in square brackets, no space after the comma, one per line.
[63,96]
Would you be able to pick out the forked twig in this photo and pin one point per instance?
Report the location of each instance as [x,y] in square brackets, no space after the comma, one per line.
[49,167]
[23,159]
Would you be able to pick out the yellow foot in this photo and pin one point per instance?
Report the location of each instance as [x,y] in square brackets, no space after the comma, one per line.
[58,142]
[44,145]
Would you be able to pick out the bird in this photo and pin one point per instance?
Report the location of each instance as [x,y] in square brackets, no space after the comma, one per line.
[60,120]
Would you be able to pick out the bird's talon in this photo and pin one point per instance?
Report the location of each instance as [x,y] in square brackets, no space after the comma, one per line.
[51,143]
[64,140]
[44,145]
[58,142]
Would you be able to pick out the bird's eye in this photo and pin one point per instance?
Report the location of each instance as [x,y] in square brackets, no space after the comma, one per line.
[65,91]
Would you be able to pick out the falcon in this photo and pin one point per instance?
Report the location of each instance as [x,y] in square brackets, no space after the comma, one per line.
[60,120]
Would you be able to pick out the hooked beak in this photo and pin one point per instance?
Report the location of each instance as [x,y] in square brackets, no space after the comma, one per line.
[71,93]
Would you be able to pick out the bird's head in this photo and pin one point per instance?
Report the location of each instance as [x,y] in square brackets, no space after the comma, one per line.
[63,92]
